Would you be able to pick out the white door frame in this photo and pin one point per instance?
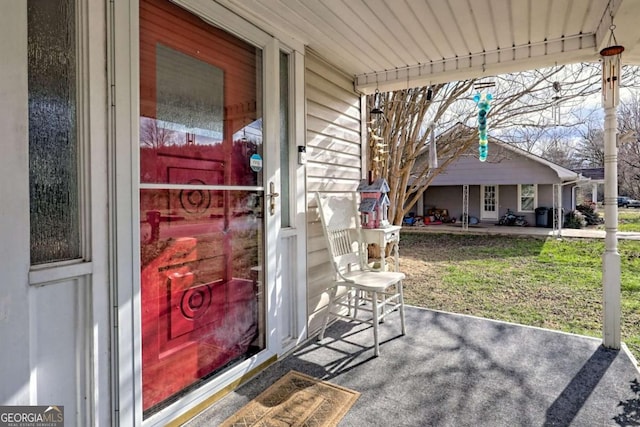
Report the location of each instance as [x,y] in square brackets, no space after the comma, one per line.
[123,36]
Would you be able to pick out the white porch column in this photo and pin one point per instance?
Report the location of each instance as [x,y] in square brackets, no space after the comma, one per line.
[611,257]
[420,207]
[559,213]
[594,193]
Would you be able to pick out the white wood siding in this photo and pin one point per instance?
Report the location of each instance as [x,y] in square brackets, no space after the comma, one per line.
[334,163]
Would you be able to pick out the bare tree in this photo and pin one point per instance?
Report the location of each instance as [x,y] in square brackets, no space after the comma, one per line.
[629,146]
[403,136]
[153,136]
[590,151]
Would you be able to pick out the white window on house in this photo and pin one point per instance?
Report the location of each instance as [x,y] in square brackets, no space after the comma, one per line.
[527,197]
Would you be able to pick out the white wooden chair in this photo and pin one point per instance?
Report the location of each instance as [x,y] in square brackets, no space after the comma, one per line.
[356,287]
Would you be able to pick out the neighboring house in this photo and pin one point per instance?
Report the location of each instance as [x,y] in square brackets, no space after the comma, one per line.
[596,175]
[160,239]
[510,178]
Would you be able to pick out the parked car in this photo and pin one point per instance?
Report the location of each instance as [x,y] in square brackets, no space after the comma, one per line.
[632,203]
[623,201]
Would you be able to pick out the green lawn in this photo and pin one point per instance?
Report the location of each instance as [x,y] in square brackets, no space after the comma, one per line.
[629,220]
[555,284]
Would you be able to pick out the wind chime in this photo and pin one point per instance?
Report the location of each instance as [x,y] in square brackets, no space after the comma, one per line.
[611,70]
[483,101]
[555,112]
[378,147]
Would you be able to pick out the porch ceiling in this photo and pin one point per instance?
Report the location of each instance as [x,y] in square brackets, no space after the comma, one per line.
[393,44]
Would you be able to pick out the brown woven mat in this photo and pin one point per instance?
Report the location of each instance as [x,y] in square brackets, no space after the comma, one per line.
[296,400]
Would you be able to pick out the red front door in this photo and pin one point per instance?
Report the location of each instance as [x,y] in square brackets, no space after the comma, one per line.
[201,195]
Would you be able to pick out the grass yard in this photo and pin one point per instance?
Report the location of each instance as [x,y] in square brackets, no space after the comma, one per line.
[549,283]
[629,220]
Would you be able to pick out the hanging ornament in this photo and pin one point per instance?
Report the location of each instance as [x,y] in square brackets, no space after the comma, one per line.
[483,101]
[555,105]
[433,154]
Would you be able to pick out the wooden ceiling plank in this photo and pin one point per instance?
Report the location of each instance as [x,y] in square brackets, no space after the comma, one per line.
[538,19]
[520,25]
[427,25]
[558,10]
[502,23]
[449,32]
[410,23]
[574,19]
[355,20]
[369,36]
[465,17]
[397,31]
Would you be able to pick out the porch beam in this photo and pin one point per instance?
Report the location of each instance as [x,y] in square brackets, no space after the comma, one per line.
[511,59]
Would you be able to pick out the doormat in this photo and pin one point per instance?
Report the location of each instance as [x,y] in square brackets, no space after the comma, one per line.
[296,400]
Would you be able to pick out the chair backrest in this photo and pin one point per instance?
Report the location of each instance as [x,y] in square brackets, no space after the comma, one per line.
[341,226]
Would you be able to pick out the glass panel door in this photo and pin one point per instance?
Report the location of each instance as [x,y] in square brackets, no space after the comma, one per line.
[489,202]
[201,202]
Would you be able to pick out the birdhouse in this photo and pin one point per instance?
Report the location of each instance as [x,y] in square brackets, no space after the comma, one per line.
[374,203]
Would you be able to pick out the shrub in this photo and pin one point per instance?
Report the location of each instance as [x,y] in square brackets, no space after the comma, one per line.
[575,219]
[590,215]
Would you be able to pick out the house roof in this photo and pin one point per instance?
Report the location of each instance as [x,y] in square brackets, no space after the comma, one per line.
[368,205]
[378,186]
[596,174]
[562,174]
[393,44]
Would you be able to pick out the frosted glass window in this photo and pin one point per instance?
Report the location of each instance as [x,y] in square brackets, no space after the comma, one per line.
[53,144]
[284,140]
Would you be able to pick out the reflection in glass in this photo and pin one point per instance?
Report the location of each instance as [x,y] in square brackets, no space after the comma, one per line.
[201,202]
[201,280]
[189,95]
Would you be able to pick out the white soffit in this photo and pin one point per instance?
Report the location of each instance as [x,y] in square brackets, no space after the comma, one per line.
[394,44]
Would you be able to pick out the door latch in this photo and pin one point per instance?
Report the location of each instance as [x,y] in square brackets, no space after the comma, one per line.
[272,198]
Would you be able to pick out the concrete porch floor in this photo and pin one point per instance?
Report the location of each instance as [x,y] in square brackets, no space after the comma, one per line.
[458,370]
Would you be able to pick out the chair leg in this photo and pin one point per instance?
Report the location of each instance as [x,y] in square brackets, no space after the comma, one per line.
[356,302]
[325,321]
[374,306]
[401,296]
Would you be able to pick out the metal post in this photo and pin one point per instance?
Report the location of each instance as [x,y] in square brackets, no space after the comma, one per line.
[611,257]
[555,210]
[559,213]
[465,207]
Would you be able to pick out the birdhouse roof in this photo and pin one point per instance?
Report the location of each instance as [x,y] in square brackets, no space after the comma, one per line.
[368,205]
[384,200]
[378,186]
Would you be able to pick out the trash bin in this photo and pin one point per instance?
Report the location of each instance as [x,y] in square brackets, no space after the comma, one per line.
[542,217]
[553,212]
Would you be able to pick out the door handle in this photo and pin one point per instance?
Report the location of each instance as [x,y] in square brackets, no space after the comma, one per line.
[272,198]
